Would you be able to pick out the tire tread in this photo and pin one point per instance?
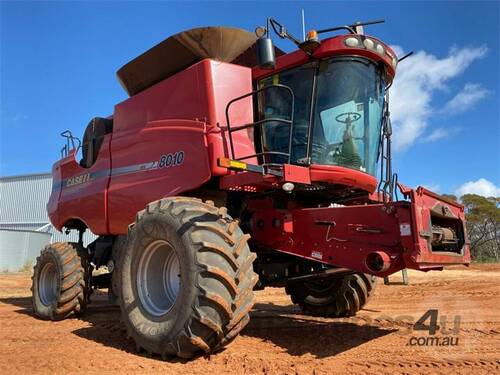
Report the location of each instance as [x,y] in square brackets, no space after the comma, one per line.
[222,254]
[352,294]
[71,294]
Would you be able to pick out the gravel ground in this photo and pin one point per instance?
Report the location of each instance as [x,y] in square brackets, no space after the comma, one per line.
[279,339]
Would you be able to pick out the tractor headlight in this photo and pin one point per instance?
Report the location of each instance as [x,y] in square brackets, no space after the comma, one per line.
[288,187]
[374,46]
[369,43]
[394,62]
[352,42]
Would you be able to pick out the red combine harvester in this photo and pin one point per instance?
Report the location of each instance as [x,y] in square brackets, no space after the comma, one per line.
[231,167]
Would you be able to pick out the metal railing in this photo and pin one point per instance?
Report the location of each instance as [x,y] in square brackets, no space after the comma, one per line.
[70,143]
[263,154]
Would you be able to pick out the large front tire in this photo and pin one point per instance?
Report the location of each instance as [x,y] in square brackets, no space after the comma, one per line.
[186,278]
[58,282]
[339,297]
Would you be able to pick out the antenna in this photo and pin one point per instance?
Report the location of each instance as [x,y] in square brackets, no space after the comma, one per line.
[303,26]
[405,56]
[353,29]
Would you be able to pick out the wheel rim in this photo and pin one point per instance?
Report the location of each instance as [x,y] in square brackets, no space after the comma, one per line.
[47,284]
[158,278]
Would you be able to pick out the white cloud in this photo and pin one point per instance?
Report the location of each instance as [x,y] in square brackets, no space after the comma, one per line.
[440,133]
[417,78]
[480,187]
[466,98]
[437,134]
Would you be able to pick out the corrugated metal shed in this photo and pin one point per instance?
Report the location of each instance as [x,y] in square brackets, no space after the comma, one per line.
[23,206]
[24,199]
[19,249]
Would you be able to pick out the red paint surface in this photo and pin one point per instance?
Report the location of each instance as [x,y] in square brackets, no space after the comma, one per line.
[131,192]
[343,176]
[422,201]
[345,236]
[85,201]
[305,175]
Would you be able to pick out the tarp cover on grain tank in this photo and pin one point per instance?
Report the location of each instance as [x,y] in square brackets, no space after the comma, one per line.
[182,50]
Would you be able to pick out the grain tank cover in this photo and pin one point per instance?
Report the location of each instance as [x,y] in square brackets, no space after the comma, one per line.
[182,50]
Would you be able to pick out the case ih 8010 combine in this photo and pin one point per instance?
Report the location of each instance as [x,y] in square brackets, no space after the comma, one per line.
[231,167]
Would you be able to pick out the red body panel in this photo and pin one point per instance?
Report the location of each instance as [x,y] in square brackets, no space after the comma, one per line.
[138,177]
[346,236]
[248,181]
[82,191]
[200,93]
[423,201]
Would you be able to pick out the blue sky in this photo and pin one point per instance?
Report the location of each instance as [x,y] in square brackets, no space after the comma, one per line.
[58,64]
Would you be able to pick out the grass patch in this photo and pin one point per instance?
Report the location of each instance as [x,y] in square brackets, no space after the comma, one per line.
[27,267]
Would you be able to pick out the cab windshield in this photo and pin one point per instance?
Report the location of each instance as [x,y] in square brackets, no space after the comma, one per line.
[346,118]
[348,114]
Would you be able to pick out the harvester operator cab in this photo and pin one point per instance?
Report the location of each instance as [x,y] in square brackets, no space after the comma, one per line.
[346,104]
[339,98]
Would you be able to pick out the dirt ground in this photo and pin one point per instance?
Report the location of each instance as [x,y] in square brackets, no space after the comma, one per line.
[279,340]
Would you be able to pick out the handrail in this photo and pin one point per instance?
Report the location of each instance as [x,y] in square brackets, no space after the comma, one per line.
[262,123]
[70,139]
[259,122]
[263,154]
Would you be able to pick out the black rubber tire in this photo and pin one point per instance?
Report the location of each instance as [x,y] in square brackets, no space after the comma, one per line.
[216,278]
[339,297]
[70,294]
[119,246]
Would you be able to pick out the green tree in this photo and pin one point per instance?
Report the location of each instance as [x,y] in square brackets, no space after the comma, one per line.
[483,226]
[450,197]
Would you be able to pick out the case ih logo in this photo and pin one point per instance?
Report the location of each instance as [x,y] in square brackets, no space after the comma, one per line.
[77,180]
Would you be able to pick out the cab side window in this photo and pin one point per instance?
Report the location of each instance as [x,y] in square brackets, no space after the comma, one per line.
[93,137]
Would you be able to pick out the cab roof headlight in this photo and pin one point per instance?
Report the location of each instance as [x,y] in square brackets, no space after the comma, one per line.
[394,62]
[369,43]
[380,49]
[352,42]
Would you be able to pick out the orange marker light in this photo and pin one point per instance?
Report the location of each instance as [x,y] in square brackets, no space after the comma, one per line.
[233,164]
[224,162]
[312,35]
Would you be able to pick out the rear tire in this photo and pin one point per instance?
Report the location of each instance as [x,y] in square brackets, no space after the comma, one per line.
[339,297]
[119,246]
[58,285]
[199,257]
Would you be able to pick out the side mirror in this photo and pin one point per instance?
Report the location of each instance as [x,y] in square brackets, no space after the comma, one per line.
[265,53]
